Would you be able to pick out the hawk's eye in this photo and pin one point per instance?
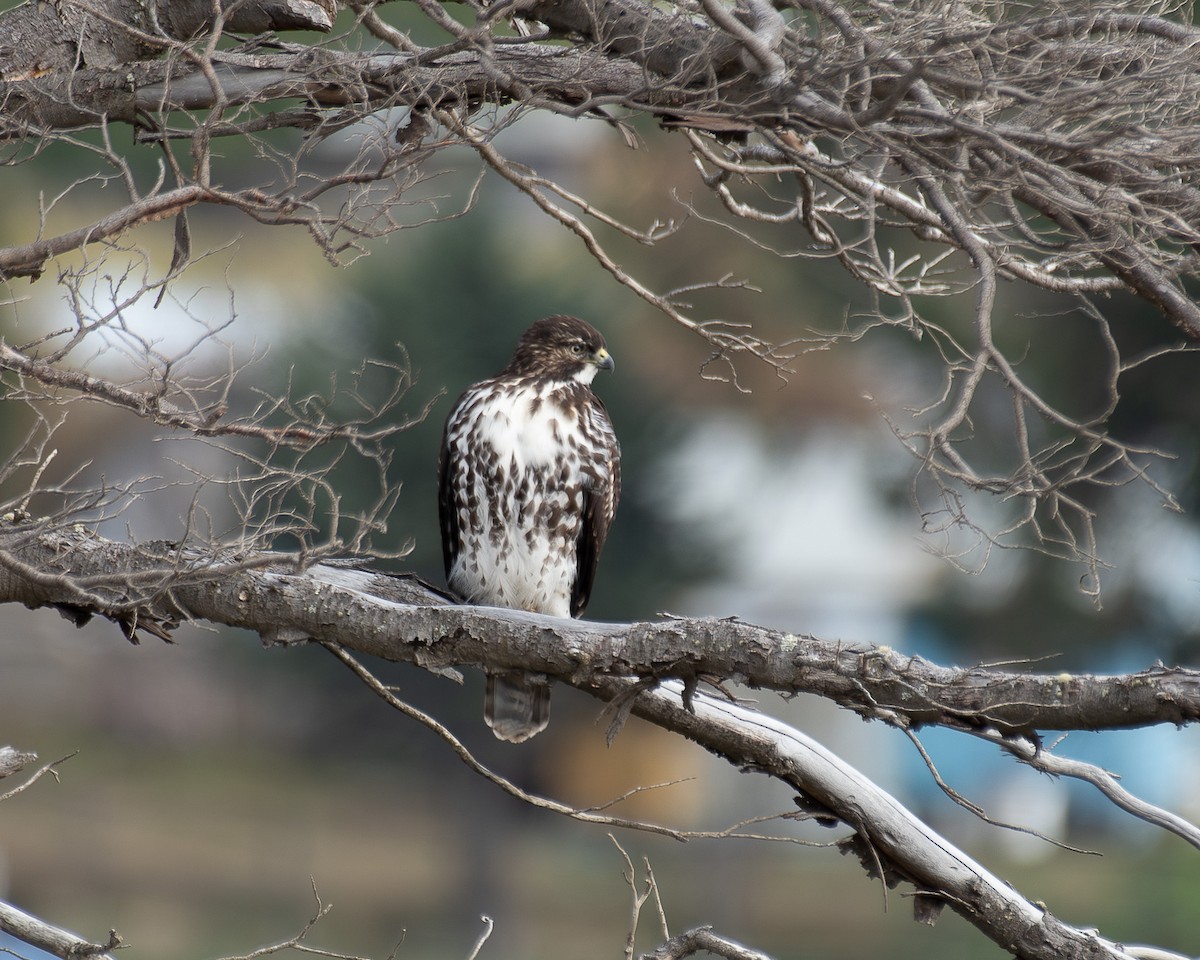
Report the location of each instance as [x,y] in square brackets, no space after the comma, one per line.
[577,349]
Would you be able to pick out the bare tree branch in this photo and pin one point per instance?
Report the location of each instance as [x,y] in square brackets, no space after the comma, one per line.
[488,926]
[30,260]
[298,942]
[888,838]
[1056,149]
[702,939]
[1107,783]
[14,761]
[151,405]
[639,898]
[400,619]
[61,943]
[460,750]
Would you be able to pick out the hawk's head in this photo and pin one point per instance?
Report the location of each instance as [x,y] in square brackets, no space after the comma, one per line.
[562,348]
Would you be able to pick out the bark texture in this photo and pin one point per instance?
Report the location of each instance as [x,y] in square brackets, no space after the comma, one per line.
[149,588]
[46,38]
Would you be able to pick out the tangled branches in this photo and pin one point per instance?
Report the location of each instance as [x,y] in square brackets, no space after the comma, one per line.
[931,150]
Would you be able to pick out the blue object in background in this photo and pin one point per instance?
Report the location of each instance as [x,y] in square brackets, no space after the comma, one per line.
[14,947]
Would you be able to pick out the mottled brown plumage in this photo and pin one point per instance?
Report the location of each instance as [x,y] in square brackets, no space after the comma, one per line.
[528,478]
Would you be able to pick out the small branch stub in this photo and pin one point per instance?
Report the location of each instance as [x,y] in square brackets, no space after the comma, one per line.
[703,939]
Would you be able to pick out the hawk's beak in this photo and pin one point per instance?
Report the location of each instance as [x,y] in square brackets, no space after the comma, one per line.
[603,359]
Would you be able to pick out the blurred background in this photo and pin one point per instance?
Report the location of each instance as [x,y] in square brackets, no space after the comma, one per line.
[213,784]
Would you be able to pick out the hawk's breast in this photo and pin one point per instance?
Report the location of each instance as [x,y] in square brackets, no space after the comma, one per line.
[520,461]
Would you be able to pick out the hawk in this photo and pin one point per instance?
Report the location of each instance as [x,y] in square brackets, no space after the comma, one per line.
[528,481]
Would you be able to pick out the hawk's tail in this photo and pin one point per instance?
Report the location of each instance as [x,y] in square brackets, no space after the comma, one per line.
[516,705]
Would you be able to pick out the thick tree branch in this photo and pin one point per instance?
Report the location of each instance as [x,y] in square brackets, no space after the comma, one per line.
[54,940]
[400,619]
[889,838]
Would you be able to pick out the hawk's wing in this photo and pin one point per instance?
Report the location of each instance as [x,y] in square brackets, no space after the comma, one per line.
[447,508]
[599,508]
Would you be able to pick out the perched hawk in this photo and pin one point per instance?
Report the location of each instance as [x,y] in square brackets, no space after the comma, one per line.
[528,480]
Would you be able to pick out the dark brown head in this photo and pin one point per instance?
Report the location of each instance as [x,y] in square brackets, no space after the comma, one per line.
[562,348]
